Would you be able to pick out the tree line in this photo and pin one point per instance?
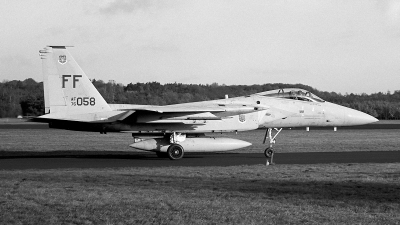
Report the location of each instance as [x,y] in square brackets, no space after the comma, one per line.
[26,97]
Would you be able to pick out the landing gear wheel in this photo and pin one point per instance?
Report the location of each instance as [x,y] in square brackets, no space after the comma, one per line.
[161,154]
[268,152]
[175,151]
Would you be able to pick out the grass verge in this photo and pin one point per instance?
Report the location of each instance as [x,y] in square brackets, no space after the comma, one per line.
[346,194]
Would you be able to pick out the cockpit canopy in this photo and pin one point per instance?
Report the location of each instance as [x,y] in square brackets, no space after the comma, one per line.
[292,93]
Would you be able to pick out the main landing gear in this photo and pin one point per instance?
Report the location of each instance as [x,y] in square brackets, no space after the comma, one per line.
[175,151]
[269,151]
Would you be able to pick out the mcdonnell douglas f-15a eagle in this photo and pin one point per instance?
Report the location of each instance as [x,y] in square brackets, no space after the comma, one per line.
[73,103]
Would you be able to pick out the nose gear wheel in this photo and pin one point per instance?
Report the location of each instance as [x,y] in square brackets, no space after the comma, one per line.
[269,151]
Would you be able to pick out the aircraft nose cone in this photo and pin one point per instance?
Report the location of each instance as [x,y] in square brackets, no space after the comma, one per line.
[354,117]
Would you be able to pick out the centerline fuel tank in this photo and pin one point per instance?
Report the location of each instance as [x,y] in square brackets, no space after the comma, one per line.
[197,144]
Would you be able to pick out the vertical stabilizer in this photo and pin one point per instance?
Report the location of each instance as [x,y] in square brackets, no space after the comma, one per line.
[67,89]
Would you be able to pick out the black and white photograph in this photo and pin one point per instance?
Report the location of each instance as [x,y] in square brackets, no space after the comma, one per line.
[200,112]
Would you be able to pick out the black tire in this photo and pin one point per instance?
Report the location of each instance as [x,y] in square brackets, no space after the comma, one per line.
[161,154]
[268,152]
[175,151]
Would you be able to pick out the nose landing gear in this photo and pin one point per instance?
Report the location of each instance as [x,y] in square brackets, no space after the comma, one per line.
[269,151]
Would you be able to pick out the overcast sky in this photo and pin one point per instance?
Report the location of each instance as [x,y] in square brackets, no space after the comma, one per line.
[342,46]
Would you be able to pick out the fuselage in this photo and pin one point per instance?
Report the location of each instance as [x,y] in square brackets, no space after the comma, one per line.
[263,111]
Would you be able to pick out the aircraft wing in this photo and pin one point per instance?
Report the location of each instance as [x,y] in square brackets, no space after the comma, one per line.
[190,112]
[191,108]
[172,109]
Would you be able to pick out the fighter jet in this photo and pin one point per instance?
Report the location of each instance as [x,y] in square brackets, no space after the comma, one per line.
[73,103]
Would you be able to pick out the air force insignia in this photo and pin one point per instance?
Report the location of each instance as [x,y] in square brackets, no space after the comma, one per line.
[62,59]
[242,118]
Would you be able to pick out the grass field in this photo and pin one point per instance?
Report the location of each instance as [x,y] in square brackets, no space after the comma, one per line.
[279,194]
[335,194]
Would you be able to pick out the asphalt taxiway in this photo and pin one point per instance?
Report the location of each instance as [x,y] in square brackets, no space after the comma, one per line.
[73,160]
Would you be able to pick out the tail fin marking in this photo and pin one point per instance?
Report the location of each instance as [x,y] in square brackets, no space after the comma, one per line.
[67,89]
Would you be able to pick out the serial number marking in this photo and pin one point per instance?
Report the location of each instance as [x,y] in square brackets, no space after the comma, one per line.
[85,101]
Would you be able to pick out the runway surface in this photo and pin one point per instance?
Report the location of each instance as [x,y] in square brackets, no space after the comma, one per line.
[73,160]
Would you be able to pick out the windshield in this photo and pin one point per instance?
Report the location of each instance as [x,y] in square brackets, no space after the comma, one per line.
[292,93]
